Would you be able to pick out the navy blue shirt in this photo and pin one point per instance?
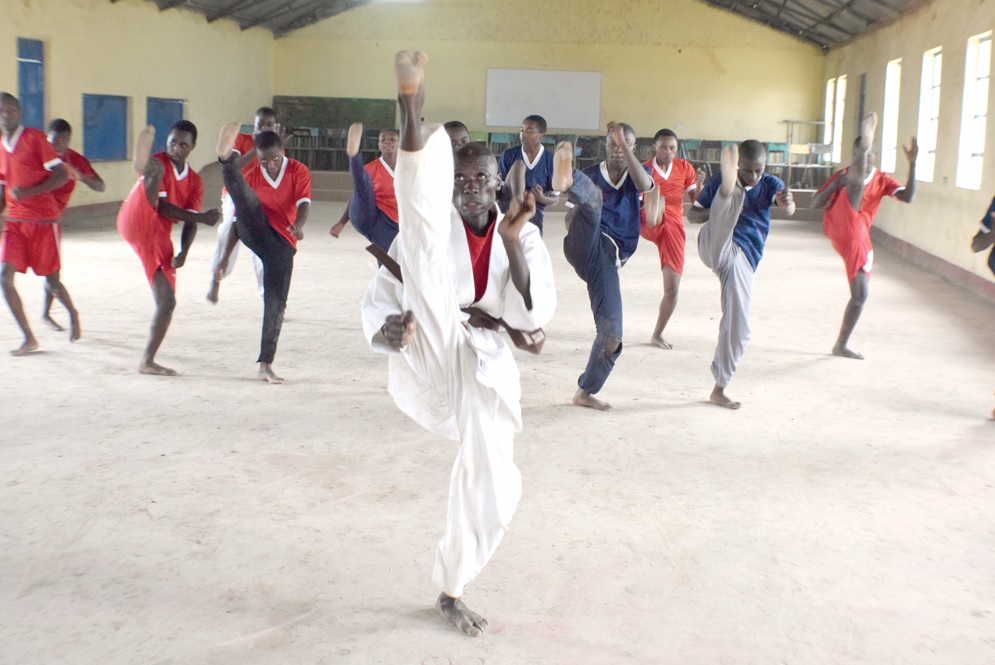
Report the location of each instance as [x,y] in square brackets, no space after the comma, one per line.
[540,174]
[750,234]
[619,209]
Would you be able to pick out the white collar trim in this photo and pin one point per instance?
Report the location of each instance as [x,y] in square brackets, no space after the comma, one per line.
[663,174]
[275,184]
[534,162]
[180,175]
[387,166]
[13,139]
[604,174]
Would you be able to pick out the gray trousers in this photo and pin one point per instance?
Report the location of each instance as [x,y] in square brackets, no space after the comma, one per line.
[730,265]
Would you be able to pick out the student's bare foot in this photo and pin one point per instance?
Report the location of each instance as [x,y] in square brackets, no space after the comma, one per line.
[226,140]
[563,166]
[266,373]
[26,348]
[213,291]
[729,166]
[75,330]
[659,342]
[584,398]
[51,323]
[337,228]
[654,205]
[458,614]
[844,352]
[155,369]
[868,127]
[354,139]
[143,147]
[719,397]
[409,68]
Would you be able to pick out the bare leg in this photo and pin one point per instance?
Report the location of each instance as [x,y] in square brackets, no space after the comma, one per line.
[54,286]
[461,616]
[859,289]
[30,344]
[165,303]
[671,287]
[859,167]
[152,169]
[584,398]
[653,204]
[719,397]
[46,312]
[409,68]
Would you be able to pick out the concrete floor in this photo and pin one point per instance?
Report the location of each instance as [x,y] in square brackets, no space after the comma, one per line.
[844,515]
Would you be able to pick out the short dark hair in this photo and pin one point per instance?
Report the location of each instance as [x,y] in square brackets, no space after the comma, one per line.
[474,150]
[455,124]
[10,99]
[752,149]
[59,126]
[538,121]
[185,126]
[266,140]
[663,133]
[265,111]
[390,130]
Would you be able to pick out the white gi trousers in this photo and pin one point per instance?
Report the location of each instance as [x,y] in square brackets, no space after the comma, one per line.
[224,233]
[730,264]
[464,374]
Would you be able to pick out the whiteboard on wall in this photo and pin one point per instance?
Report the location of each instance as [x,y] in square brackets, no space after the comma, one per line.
[567,100]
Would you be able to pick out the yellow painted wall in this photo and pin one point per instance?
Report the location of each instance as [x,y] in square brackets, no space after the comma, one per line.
[943,217]
[677,63]
[131,48]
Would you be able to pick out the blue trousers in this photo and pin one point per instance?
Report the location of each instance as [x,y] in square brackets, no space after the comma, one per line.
[364,214]
[594,256]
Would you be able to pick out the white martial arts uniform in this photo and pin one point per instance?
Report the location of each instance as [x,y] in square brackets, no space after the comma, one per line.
[455,380]
[224,233]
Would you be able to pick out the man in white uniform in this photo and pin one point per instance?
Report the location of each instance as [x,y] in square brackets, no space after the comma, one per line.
[456,379]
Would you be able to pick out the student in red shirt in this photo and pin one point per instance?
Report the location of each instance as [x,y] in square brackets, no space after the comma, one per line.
[372,208]
[79,169]
[167,191]
[29,173]
[272,202]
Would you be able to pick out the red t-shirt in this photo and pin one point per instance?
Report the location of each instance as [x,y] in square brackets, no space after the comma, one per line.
[480,257]
[878,186]
[673,187]
[281,197]
[26,161]
[81,164]
[184,189]
[244,143]
[383,187]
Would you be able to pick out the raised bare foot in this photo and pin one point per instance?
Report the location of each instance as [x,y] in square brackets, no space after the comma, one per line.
[51,323]
[226,140]
[584,398]
[354,139]
[337,228]
[729,166]
[461,616]
[654,205]
[844,352]
[868,127]
[563,166]
[719,397]
[659,342]
[155,369]
[26,348]
[75,330]
[143,148]
[266,373]
[409,68]
[212,291]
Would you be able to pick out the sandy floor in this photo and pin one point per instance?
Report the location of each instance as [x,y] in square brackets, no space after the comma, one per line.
[844,515]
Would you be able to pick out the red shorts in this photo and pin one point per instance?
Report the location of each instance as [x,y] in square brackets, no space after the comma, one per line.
[850,233]
[32,245]
[669,238]
[148,233]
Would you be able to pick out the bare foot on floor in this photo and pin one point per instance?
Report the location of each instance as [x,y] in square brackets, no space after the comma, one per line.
[659,342]
[212,291]
[563,166]
[266,373]
[584,398]
[51,323]
[719,398]
[226,140]
[844,352]
[143,148]
[29,346]
[458,614]
[155,369]
[75,330]
[729,165]
[354,139]
[409,68]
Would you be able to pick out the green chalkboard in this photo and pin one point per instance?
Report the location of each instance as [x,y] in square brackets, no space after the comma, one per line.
[335,112]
